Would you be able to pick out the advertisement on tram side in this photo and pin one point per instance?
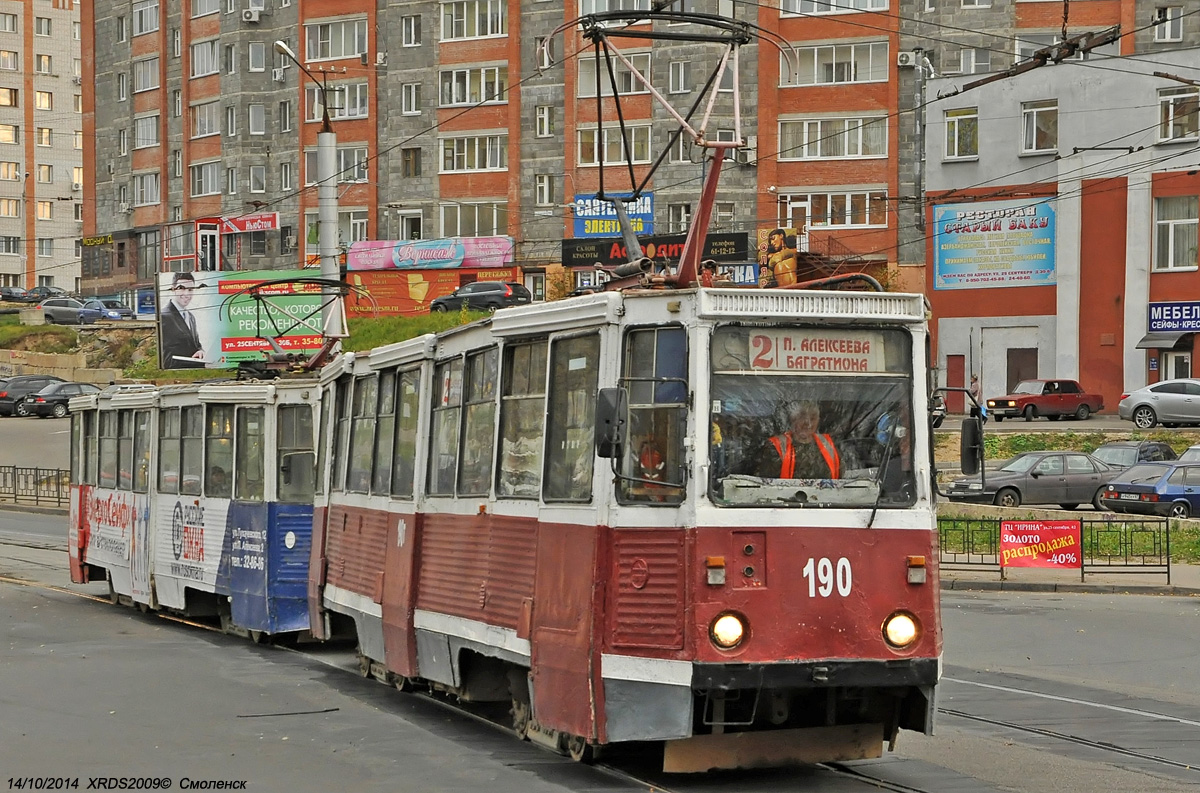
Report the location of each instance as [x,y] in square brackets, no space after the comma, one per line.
[114,533]
[189,547]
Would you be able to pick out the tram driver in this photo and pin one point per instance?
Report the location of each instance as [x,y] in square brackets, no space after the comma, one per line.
[800,451]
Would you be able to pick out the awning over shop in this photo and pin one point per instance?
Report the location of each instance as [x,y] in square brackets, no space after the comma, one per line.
[1159,341]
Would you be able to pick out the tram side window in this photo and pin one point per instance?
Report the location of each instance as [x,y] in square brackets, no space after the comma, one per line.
[108,449]
[656,376]
[141,451]
[249,476]
[362,433]
[570,452]
[404,461]
[522,413]
[76,448]
[443,449]
[323,449]
[91,443]
[192,450]
[385,435]
[479,424]
[125,461]
[168,450]
[341,427]
[218,451]
[296,473]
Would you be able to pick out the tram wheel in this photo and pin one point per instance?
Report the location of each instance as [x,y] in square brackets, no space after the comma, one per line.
[402,683]
[364,666]
[143,607]
[520,716]
[113,597]
[579,750]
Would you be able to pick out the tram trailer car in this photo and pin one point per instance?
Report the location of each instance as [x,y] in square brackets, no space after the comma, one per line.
[197,499]
[569,507]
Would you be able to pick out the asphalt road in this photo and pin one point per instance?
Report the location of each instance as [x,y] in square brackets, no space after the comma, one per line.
[45,443]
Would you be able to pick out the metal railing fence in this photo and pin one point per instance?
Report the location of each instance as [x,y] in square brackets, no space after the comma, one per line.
[49,487]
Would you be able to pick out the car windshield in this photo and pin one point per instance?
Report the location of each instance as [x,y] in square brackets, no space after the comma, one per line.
[1028,387]
[112,304]
[1021,463]
[811,417]
[1190,455]
[1116,455]
[1142,474]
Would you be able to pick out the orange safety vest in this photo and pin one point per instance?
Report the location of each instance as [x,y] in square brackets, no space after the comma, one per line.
[787,455]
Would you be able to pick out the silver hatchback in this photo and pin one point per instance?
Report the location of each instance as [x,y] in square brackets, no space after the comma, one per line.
[1170,403]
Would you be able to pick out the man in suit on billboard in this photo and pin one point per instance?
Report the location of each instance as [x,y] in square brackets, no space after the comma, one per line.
[180,338]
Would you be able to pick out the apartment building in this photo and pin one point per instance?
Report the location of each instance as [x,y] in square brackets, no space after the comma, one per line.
[41,143]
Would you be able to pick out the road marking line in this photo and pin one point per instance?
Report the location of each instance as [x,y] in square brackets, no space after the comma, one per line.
[1073,701]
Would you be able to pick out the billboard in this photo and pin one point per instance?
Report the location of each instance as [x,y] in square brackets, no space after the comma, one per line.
[990,244]
[723,247]
[407,292]
[198,328]
[454,252]
[596,218]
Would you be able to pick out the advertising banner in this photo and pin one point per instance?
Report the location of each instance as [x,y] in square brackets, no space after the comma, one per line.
[609,252]
[396,293]
[468,252]
[197,327]
[1177,317]
[596,218]
[255,221]
[778,251]
[1041,543]
[990,244]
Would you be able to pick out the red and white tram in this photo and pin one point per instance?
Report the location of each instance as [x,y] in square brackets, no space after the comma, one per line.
[619,513]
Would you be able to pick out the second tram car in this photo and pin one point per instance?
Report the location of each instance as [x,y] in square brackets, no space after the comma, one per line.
[702,516]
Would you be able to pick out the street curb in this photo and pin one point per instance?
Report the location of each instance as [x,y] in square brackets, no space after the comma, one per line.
[1084,589]
[35,509]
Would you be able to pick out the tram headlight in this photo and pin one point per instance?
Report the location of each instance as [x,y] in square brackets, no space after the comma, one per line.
[900,630]
[727,631]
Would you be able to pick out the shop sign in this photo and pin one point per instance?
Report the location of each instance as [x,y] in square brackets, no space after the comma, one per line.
[596,218]
[256,221]
[989,244]
[453,252]
[1174,317]
[609,252]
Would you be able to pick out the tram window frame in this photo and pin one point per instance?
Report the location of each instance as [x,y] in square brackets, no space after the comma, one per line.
[385,435]
[568,467]
[170,452]
[324,435]
[91,451]
[404,449]
[125,449]
[444,427]
[249,454]
[297,478]
[362,434]
[657,414]
[522,419]
[341,429]
[141,451]
[218,448]
[477,451]
[191,450]
[77,448]
[108,450]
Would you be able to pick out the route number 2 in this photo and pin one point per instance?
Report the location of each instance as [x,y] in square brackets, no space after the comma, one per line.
[820,576]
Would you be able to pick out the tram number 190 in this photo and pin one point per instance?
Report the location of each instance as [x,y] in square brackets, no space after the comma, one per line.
[821,577]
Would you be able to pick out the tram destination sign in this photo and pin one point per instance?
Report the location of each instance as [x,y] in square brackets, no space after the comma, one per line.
[815,350]
[1174,317]
[610,251]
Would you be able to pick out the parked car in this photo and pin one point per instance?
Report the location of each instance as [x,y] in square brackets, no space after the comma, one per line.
[483,296]
[1064,478]
[1173,402]
[40,293]
[1190,455]
[1170,489]
[52,399]
[109,309]
[14,294]
[1050,398]
[67,311]
[1123,454]
[12,396]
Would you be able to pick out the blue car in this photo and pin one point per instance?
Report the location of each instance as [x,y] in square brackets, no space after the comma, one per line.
[109,309]
[1171,489]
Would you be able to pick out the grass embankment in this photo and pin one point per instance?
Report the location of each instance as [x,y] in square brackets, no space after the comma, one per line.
[35,338]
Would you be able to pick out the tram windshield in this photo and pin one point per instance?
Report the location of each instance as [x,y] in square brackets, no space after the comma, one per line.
[811,417]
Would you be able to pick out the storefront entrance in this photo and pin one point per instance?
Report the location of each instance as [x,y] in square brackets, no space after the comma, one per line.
[1176,365]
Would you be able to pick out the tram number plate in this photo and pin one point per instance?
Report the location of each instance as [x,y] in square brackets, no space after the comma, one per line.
[823,575]
[1130,496]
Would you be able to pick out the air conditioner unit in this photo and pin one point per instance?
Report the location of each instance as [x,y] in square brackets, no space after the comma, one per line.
[906,59]
[251,14]
[77,186]
[747,156]
[277,75]
[381,59]
[123,208]
[77,80]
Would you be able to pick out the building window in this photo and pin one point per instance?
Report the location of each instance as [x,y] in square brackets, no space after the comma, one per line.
[77,103]
[1040,120]
[829,65]
[231,181]
[410,99]
[344,39]
[833,138]
[351,165]
[258,56]
[10,208]
[723,212]
[258,119]
[285,176]
[472,86]
[10,171]
[145,17]
[205,58]
[258,178]
[231,120]
[145,189]
[177,103]
[962,133]
[206,178]
[609,148]
[807,7]
[475,153]
[544,126]
[145,132]
[206,119]
[1175,238]
[474,220]
[1178,113]
[543,49]
[145,74]
[410,31]
[599,6]
[842,209]
[678,79]
[45,174]
[41,26]
[43,100]
[44,136]
[177,163]
[10,133]
[1168,23]
[9,97]
[79,211]
[471,19]
[122,29]
[8,60]
[43,64]
[285,116]
[626,82]
[10,244]
[231,59]
[410,162]
[972,60]
[8,23]
[176,42]
[45,246]
[202,7]
[543,184]
[346,101]
[78,139]
[45,210]
[681,150]
[679,217]
[123,141]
